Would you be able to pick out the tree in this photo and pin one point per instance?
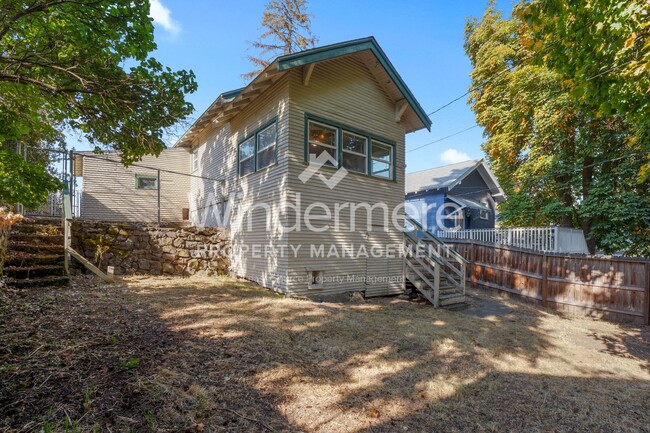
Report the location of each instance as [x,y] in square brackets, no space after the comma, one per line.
[559,157]
[603,47]
[63,65]
[288,25]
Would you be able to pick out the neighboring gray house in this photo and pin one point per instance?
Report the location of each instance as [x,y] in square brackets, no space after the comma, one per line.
[252,153]
[461,195]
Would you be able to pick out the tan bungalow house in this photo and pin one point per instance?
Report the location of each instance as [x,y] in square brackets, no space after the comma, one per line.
[305,165]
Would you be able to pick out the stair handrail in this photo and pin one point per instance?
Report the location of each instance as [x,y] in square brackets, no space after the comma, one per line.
[67,242]
[462,272]
[435,239]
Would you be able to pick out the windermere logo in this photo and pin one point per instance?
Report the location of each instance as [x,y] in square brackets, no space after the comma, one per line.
[316,163]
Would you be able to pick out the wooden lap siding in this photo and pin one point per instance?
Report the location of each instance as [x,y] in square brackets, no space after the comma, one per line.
[109,192]
[343,91]
[218,159]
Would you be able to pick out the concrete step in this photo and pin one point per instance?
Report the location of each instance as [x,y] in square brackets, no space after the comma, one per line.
[34,238]
[22,259]
[453,299]
[51,281]
[37,271]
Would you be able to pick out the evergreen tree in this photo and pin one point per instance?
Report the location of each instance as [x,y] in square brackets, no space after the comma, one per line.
[288,30]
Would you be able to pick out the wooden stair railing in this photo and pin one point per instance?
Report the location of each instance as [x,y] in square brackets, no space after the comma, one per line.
[436,270]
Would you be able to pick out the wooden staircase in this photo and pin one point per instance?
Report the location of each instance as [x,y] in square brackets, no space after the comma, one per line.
[36,255]
[433,268]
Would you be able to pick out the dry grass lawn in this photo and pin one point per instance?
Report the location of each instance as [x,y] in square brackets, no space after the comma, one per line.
[155,354]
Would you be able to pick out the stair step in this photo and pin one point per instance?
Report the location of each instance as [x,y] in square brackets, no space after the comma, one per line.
[46,229]
[21,259]
[33,271]
[54,221]
[35,248]
[35,238]
[452,300]
[51,281]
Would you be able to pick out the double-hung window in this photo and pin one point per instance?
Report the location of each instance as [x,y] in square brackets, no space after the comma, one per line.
[259,150]
[266,147]
[349,148]
[354,151]
[382,160]
[247,156]
[323,138]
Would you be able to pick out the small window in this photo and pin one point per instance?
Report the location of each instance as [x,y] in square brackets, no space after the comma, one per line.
[315,279]
[195,159]
[484,214]
[146,182]
[247,157]
[382,160]
[323,138]
[266,145]
[354,152]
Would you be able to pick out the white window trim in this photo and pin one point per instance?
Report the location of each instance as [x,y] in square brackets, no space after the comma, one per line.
[195,159]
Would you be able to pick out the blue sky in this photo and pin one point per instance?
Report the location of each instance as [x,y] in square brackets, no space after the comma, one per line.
[423,39]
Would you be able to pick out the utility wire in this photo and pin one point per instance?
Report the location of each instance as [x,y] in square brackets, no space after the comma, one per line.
[441,139]
[489,80]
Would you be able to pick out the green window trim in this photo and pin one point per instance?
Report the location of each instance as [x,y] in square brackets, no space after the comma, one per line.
[370,138]
[139,177]
[257,150]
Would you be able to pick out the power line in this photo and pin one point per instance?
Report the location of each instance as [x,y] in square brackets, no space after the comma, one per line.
[162,170]
[443,138]
[506,69]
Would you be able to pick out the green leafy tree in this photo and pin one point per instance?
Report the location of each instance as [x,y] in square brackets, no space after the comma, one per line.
[603,48]
[63,65]
[288,30]
[559,157]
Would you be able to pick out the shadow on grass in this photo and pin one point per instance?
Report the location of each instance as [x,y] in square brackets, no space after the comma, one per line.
[220,355]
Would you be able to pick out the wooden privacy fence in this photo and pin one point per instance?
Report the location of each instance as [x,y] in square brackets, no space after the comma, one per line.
[610,288]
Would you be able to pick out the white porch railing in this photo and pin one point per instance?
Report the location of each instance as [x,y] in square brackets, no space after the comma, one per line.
[544,239]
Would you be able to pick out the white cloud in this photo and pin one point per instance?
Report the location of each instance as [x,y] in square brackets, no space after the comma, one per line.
[452,156]
[161,15]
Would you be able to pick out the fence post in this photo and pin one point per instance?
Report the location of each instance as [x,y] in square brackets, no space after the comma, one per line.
[647,293]
[472,259]
[158,197]
[544,280]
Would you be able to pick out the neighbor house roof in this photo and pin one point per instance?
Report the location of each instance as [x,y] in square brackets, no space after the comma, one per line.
[448,176]
[228,104]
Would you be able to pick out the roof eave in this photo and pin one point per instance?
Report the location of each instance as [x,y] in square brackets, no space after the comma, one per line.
[297,60]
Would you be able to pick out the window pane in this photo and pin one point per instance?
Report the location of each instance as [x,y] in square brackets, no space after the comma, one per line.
[354,162]
[381,169]
[381,151]
[247,148]
[315,150]
[354,143]
[322,134]
[247,166]
[266,157]
[266,137]
[147,183]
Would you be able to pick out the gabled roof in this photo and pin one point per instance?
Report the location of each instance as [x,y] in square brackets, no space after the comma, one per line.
[228,104]
[448,176]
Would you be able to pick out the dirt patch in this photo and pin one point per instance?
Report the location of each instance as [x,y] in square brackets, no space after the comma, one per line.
[160,354]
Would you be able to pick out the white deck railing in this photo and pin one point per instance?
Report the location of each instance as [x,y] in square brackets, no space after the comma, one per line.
[545,239]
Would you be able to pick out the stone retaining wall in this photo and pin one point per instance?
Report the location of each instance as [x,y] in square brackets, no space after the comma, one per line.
[134,248]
